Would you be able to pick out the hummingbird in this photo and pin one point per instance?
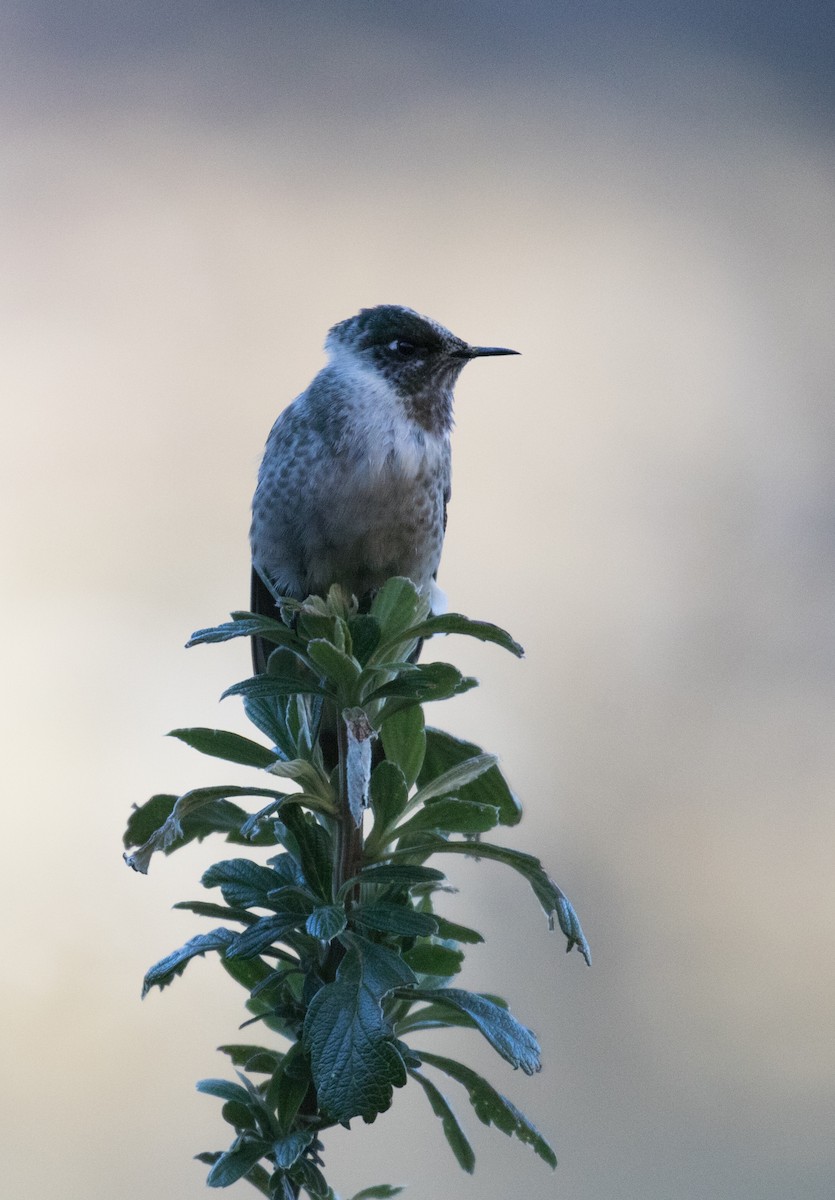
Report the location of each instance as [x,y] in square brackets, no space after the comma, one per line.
[354,483]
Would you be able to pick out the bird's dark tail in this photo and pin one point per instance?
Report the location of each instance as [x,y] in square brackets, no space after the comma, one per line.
[261,602]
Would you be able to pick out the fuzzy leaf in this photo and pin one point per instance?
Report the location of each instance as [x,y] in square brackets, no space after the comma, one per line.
[235,1164]
[456,623]
[419,685]
[389,792]
[454,778]
[263,935]
[402,876]
[554,902]
[444,751]
[491,1107]
[341,671]
[252,1058]
[224,1089]
[451,815]
[267,687]
[327,922]
[270,717]
[288,1087]
[199,805]
[219,743]
[431,959]
[365,636]
[505,1034]
[311,846]
[453,932]
[383,1191]
[354,1060]
[453,1132]
[163,972]
[397,606]
[246,625]
[291,1146]
[243,883]
[404,741]
[401,919]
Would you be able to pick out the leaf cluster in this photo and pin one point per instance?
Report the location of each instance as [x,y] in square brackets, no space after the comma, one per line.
[341,951]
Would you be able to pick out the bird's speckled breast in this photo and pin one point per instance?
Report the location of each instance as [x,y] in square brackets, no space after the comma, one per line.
[354,492]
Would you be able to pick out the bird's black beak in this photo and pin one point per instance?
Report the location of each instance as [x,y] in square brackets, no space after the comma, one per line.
[483,351]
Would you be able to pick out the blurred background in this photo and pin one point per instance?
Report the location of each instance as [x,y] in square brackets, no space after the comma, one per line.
[641,199]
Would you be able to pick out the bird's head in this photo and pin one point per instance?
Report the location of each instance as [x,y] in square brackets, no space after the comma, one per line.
[418,357]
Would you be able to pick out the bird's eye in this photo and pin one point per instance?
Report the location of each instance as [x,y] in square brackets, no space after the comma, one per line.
[402,348]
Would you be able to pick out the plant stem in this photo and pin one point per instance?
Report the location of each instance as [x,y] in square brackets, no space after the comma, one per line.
[349,835]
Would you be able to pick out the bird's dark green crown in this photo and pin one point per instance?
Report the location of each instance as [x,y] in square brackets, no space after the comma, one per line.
[381,328]
[419,358]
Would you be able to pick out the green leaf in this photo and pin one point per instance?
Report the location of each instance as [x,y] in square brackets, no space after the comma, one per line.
[145,819]
[419,685]
[243,883]
[383,1191]
[249,973]
[311,1179]
[263,934]
[219,743]
[491,1107]
[303,715]
[291,1146]
[253,825]
[257,1176]
[164,972]
[569,923]
[554,902]
[354,1060]
[453,1132]
[444,751]
[452,816]
[431,959]
[317,790]
[199,805]
[246,625]
[516,1044]
[340,669]
[456,623]
[269,687]
[312,848]
[253,1058]
[239,1116]
[365,636]
[433,1016]
[406,875]
[452,932]
[403,875]
[269,716]
[454,778]
[397,606]
[235,1164]
[401,919]
[388,792]
[224,1089]
[326,922]
[288,1087]
[404,741]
